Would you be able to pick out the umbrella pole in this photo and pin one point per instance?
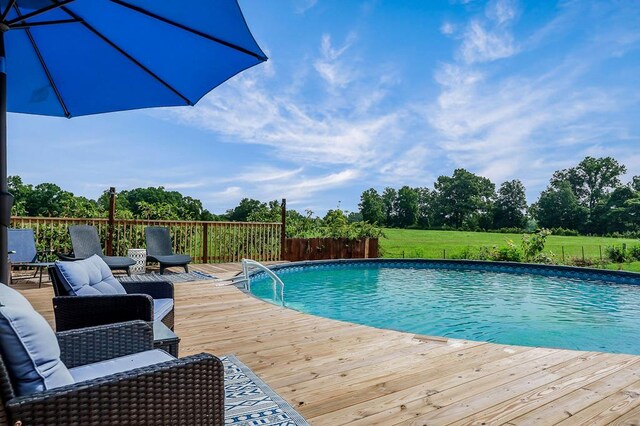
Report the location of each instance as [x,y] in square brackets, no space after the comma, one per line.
[6,199]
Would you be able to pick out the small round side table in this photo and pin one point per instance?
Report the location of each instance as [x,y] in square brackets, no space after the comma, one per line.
[140,256]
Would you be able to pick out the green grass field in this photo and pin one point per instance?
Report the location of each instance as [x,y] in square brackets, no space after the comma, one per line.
[411,243]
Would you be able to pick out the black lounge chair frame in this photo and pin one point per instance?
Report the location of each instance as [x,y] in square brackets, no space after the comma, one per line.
[86,242]
[159,249]
[187,390]
[73,312]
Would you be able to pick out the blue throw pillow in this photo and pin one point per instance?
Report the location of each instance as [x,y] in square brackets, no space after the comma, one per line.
[89,277]
[29,346]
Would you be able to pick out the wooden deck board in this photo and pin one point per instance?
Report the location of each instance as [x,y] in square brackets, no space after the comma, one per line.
[339,373]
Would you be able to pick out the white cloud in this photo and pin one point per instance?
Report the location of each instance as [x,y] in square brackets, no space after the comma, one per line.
[482,44]
[516,125]
[447,28]
[501,11]
[255,174]
[301,6]
[336,72]
[347,129]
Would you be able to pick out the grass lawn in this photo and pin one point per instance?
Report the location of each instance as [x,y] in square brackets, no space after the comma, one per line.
[415,243]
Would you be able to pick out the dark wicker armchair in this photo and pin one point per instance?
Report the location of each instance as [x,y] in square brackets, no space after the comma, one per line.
[188,390]
[73,312]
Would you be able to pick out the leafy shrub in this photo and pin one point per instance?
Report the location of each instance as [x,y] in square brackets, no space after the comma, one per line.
[564,232]
[634,252]
[617,254]
[334,225]
[533,245]
[510,253]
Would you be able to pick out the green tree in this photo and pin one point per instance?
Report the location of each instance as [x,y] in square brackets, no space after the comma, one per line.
[153,202]
[591,180]
[463,199]
[389,197]
[425,207]
[407,207]
[266,212]
[509,209]
[21,193]
[619,213]
[246,208]
[372,207]
[558,207]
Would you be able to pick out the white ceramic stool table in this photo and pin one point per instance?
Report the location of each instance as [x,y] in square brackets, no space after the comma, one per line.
[140,256]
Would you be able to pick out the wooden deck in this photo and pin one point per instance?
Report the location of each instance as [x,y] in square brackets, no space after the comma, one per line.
[339,373]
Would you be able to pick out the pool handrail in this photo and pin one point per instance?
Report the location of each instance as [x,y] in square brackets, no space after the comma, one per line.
[246,263]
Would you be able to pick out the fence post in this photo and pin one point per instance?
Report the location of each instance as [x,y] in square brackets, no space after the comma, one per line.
[582,254]
[600,247]
[563,254]
[112,219]
[283,228]
[205,242]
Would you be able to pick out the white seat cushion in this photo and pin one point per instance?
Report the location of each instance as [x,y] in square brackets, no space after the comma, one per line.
[89,277]
[118,365]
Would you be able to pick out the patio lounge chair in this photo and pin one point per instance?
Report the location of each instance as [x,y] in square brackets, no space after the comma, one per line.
[159,249]
[87,294]
[23,252]
[99,375]
[86,242]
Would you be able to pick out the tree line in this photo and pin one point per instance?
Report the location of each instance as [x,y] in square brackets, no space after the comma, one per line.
[589,198]
[49,200]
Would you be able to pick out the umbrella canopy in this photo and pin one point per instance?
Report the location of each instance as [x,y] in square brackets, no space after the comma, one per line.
[78,57]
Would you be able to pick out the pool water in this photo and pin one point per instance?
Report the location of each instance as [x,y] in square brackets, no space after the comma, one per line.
[508,308]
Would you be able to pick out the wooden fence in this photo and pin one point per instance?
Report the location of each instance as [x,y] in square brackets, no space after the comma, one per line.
[205,242]
[329,248]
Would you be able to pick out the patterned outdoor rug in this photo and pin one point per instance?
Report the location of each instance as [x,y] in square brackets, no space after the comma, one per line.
[250,402]
[174,277]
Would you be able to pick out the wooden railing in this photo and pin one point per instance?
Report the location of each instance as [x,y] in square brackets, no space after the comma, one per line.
[205,242]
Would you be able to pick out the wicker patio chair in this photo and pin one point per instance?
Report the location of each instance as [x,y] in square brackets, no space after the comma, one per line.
[104,375]
[23,252]
[141,300]
[86,242]
[159,249]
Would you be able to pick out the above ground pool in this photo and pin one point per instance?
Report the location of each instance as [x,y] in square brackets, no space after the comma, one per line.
[530,305]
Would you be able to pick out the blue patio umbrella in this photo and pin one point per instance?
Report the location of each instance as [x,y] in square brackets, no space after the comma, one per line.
[77,57]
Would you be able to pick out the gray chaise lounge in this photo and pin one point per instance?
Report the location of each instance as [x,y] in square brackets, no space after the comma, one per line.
[86,243]
[159,249]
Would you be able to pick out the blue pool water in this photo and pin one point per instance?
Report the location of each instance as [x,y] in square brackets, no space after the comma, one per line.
[518,309]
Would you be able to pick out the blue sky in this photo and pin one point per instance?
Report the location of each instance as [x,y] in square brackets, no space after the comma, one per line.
[361,94]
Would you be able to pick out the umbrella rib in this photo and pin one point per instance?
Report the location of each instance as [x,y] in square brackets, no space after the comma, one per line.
[46,70]
[7,10]
[42,23]
[126,55]
[39,11]
[191,30]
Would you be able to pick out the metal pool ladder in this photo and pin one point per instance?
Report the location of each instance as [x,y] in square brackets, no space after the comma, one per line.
[246,266]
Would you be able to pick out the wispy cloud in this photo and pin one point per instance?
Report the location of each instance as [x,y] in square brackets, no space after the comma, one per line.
[301,6]
[335,71]
[349,129]
[498,124]
[489,38]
